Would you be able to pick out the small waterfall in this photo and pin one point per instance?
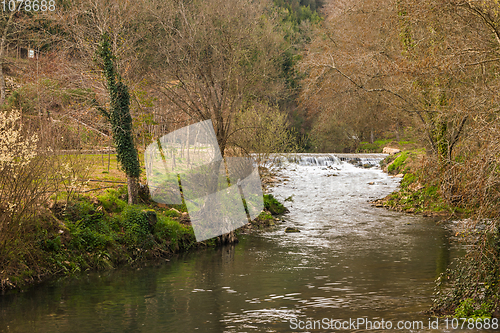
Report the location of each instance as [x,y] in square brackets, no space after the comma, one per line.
[360,160]
[321,160]
[307,160]
[372,161]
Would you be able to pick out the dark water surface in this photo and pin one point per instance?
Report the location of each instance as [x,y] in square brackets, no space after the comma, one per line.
[350,260]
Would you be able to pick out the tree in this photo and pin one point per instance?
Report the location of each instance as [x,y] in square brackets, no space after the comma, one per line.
[421,60]
[120,119]
[350,73]
[111,34]
[3,41]
[214,59]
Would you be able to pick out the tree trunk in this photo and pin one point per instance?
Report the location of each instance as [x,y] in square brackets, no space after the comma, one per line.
[133,189]
[187,146]
[2,55]
[3,94]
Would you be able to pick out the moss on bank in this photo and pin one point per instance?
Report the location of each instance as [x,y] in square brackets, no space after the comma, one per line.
[103,232]
[93,234]
[416,194]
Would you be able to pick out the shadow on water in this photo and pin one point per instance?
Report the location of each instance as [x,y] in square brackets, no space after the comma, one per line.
[350,260]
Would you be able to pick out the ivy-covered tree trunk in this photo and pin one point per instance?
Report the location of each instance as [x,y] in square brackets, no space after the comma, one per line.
[121,120]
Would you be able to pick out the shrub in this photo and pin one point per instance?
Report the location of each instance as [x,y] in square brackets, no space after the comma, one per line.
[273,205]
[136,227]
[177,236]
[111,202]
[22,186]
[468,308]
[474,279]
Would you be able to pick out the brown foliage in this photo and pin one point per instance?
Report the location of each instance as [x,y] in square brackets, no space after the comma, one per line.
[212,59]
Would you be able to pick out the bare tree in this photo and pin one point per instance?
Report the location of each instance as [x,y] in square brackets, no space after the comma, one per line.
[212,59]
[419,59]
[17,26]
[350,72]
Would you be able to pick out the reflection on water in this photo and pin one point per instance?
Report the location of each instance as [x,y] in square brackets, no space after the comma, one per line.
[350,260]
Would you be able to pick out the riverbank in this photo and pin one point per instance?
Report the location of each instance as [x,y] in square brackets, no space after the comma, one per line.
[415,195]
[101,232]
[470,288]
[348,257]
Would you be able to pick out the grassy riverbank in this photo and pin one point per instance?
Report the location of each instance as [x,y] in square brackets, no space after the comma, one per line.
[416,194]
[99,232]
[471,288]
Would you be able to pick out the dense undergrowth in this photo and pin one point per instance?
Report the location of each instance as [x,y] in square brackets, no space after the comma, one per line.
[416,193]
[470,288]
[92,234]
[103,232]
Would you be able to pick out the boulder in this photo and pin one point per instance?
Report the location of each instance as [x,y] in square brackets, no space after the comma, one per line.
[290,229]
[390,151]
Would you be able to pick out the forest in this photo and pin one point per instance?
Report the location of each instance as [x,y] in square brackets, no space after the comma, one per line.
[86,84]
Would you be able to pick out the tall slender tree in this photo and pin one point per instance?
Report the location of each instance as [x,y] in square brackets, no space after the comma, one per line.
[120,119]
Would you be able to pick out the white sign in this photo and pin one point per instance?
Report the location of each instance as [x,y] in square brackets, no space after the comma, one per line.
[31,53]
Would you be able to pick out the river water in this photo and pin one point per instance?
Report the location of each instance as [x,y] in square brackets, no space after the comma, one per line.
[349,261]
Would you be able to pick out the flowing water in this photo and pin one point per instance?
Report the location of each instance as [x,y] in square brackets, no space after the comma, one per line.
[349,261]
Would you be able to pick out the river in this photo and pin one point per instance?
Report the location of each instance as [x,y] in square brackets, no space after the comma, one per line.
[349,261]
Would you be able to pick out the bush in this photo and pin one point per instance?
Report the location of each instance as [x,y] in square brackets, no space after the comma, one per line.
[90,240]
[474,279]
[173,234]
[273,205]
[111,202]
[52,244]
[468,308]
[24,179]
[136,228]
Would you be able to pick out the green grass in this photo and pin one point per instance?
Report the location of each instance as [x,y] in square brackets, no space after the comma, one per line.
[468,308]
[376,147]
[273,205]
[382,142]
[89,234]
[396,166]
[418,197]
[366,147]
[265,216]
[111,201]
